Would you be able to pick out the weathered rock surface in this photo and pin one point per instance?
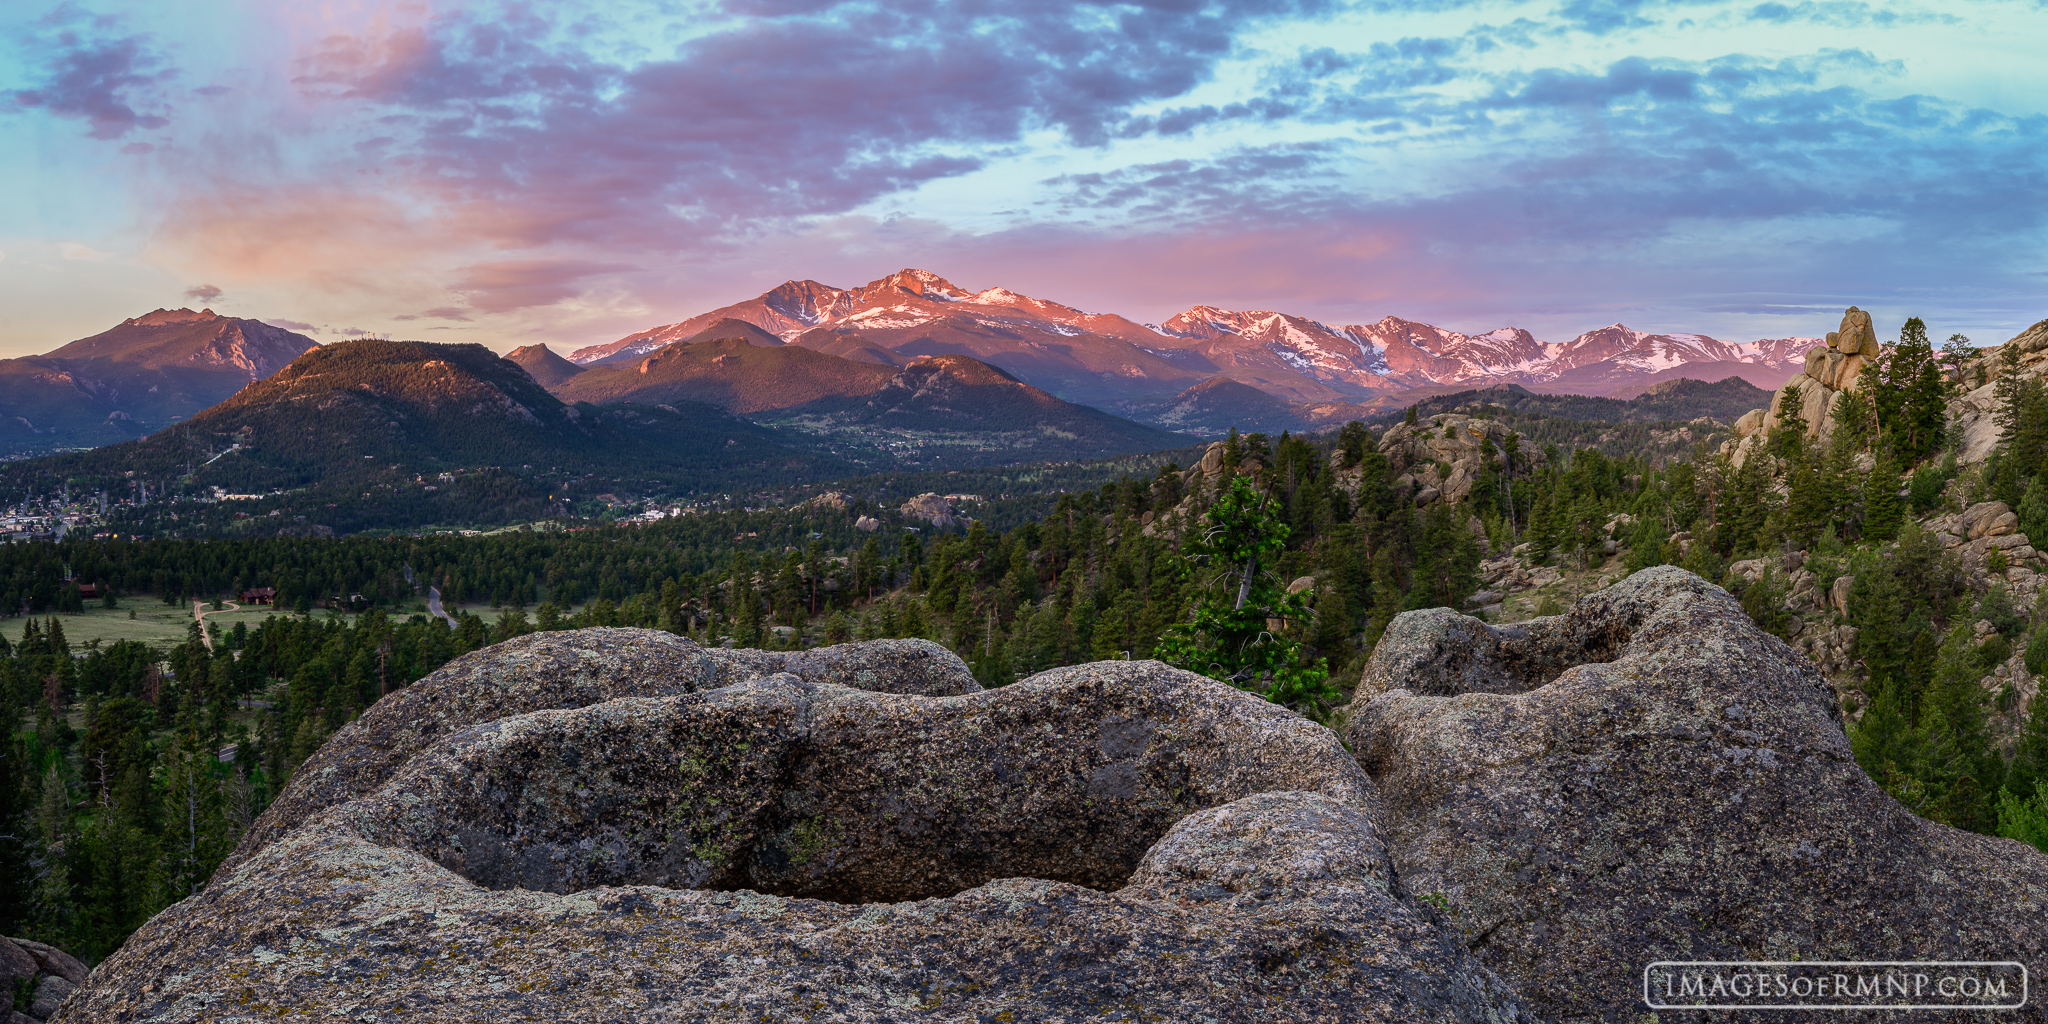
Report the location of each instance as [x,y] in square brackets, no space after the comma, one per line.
[583,836]
[49,974]
[1683,791]
[573,669]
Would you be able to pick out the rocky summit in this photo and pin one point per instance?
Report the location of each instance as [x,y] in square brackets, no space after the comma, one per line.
[1651,777]
[608,825]
[611,824]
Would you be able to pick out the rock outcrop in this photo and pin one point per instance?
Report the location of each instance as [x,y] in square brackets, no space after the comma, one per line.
[44,974]
[1443,456]
[1829,372]
[1651,777]
[1974,414]
[932,508]
[615,824]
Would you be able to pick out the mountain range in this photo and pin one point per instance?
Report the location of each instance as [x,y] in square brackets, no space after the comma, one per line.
[1111,362]
[143,374]
[906,412]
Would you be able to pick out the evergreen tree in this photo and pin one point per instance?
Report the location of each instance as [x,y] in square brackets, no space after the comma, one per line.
[1915,399]
[1789,439]
[1882,509]
[17,826]
[1447,560]
[1352,442]
[1645,544]
[1956,354]
[2007,390]
[2029,767]
[1962,772]
[2025,819]
[1229,636]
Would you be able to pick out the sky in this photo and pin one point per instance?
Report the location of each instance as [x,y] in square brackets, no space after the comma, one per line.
[512,173]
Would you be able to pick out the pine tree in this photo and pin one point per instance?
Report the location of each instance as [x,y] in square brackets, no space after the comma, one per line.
[1645,544]
[1957,353]
[2029,766]
[1915,396]
[2025,819]
[1882,509]
[1352,442]
[1386,597]
[17,826]
[1228,637]
[197,835]
[1790,438]
[2006,390]
[1961,772]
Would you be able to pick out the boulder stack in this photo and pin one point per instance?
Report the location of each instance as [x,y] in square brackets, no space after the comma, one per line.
[1829,372]
[619,825]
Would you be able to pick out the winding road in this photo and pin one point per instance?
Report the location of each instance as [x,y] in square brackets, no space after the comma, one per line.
[434,607]
[199,614]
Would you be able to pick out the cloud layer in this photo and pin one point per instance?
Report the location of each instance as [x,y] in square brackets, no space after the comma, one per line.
[575,172]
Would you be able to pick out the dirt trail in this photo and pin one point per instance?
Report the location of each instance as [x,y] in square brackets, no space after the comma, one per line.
[199,614]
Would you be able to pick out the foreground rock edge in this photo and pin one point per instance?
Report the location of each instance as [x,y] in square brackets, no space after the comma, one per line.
[1268,885]
[1651,777]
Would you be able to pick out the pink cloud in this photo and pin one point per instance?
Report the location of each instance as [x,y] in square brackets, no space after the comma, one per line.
[500,285]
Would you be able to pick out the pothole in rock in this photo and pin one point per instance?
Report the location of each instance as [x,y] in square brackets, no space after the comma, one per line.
[832,795]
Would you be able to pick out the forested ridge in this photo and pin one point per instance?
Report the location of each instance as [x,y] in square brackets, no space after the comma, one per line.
[114,791]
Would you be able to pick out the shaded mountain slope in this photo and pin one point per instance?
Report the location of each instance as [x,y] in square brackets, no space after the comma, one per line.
[1214,406]
[1671,401]
[543,365]
[731,373]
[145,373]
[984,413]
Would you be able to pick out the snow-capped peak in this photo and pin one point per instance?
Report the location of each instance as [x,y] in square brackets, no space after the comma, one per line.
[921,283]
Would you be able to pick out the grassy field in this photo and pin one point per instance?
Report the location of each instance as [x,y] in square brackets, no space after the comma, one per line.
[163,626]
[155,623]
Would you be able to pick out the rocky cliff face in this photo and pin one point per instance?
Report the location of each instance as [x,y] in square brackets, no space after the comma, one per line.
[1831,371]
[1975,413]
